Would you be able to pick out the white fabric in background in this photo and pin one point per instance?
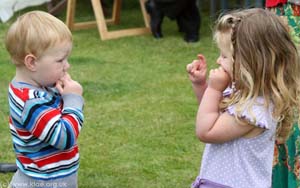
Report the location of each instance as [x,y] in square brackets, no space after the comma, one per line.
[8,7]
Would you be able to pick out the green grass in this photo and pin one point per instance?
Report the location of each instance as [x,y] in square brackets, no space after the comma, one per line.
[139,105]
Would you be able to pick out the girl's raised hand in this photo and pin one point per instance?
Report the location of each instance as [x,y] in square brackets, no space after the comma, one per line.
[197,70]
[218,79]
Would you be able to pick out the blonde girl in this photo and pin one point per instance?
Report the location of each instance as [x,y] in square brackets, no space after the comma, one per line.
[246,102]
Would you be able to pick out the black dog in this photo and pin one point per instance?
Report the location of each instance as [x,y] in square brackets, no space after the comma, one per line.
[185,12]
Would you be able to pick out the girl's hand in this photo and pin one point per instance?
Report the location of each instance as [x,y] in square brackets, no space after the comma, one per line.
[218,79]
[67,86]
[197,70]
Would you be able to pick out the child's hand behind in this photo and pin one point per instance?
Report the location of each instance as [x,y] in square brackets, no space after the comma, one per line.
[218,79]
[67,86]
[197,70]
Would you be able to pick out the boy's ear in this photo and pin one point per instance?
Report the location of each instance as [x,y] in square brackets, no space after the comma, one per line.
[30,62]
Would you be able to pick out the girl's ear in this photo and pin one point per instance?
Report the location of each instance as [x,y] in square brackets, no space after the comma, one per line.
[30,62]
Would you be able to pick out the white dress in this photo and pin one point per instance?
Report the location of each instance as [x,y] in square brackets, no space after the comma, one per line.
[243,162]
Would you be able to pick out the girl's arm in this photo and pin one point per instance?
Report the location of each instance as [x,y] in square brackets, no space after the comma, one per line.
[211,125]
[199,91]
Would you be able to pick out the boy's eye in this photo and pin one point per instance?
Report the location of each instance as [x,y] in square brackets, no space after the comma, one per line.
[61,60]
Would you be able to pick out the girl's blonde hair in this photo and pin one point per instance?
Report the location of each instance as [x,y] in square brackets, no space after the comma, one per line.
[265,63]
[34,33]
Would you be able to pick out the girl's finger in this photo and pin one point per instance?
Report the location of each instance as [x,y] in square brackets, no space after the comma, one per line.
[201,57]
[189,67]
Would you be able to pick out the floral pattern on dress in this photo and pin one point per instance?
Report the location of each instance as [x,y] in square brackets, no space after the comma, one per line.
[276,156]
[297,167]
[286,163]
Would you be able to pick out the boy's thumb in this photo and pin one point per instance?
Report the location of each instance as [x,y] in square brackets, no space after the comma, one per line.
[59,87]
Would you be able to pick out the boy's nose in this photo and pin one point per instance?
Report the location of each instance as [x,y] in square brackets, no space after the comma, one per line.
[67,66]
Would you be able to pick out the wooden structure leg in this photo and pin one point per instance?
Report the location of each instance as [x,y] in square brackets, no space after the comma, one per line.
[55,7]
[101,22]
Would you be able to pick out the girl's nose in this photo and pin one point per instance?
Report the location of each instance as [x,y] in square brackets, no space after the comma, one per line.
[219,61]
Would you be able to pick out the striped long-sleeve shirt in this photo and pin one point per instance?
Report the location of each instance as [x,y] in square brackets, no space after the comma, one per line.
[45,127]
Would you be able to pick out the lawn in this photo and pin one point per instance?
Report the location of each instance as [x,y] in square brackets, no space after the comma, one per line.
[139,104]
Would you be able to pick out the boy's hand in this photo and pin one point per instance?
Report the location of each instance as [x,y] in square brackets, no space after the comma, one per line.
[67,86]
[218,79]
[197,70]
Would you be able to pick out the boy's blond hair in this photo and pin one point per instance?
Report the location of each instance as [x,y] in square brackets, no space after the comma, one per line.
[34,33]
